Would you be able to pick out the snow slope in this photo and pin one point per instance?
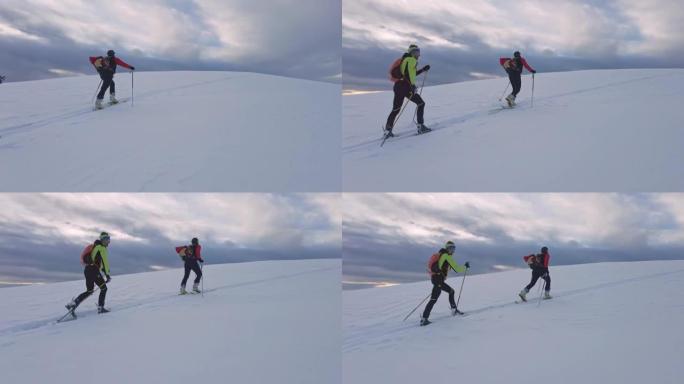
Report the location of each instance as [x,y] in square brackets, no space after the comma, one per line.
[186,131]
[261,322]
[598,130]
[607,323]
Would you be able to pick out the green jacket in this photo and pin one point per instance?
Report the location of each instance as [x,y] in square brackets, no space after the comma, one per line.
[408,67]
[99,257]
[446,261]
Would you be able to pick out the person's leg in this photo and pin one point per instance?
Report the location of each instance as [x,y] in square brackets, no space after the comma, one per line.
[103,290]
[111,87]
[436,290]
[198,272]
[535,276]
[400,93]
[106,82]
[516,82]
[186,275]
[451,292]
[547,278]
[90,285]
[420,104]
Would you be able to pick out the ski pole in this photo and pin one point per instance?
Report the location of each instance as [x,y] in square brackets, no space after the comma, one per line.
[420,93]
[202,270]
[541,292]
[132,94]
[505,89]
[532,102]
[414,309]
[95,94]
[462,282]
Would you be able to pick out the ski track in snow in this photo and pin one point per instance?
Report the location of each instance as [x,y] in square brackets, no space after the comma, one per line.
[29,326]
[387,331]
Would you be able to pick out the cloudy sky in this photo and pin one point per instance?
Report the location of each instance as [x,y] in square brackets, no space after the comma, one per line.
[389,237]
[463,39]
[48,38]
[42,235]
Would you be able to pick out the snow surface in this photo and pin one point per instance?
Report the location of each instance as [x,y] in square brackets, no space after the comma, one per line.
[260,322]
[186,131]
[607,323]
[598,130]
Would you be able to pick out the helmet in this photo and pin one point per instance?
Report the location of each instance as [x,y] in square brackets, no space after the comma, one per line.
[516,54]
[545,250]
[104,236]
[449,245]
[195,241]
[110,53]
[413,48]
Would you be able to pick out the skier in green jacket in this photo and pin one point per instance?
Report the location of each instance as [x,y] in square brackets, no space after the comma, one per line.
[438,267]
[403,73]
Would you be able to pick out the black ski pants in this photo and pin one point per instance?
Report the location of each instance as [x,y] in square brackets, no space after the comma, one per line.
[107,82]
[402,89]
[191,265]
[438,285]
[536,274]
[93,276]
[516,82]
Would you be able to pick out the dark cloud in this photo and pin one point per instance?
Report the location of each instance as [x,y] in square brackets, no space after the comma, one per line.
[295,39]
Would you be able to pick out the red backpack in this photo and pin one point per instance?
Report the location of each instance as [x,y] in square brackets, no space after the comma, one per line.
[433,264]
[85,255]
[395,69]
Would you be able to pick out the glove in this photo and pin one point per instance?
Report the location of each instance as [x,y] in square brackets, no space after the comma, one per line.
[426,68]
[533,71]
[132,68]
[108,279]
[467,265]
[413,89]
[201,261]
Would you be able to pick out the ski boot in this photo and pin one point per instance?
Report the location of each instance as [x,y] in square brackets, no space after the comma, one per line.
[98,104]
[547,295]
[102,309]
[455,311]
[195,288]
[424,322]
[523,294]
[422,128]
[510,99]
[388,132]
[112,99]
[182,290]
[71,306]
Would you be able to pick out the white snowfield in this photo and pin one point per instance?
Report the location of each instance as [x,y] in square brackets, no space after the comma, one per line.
[260,322]
[607,323]
[186,131]
[598,130]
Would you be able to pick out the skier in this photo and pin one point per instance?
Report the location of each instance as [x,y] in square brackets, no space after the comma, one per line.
[438,267]
[514,67]
[403,73]
[94,258]
[191,255]
[2,78]
[106,67]
[540,268]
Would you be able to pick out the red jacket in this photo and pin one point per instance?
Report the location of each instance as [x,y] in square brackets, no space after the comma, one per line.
[197,254]
[503,60]
[540,260]
[105,65]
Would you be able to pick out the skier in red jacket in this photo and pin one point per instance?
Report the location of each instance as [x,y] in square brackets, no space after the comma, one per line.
[514,67]
[106,67]
[539,264]
[191,255]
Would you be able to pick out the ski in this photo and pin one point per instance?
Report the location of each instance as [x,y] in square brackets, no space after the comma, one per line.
[110,104]
[71,312]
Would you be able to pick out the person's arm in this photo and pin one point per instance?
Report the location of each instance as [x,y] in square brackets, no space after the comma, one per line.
[527,66]
[123,63]
[409,65]
[198,252]
[547,258]
[502,61]
[92,59]
[450,260]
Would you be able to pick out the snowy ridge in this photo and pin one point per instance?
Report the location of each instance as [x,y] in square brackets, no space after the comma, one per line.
[193,131]
[251,313]
[603,317]
[587,131]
